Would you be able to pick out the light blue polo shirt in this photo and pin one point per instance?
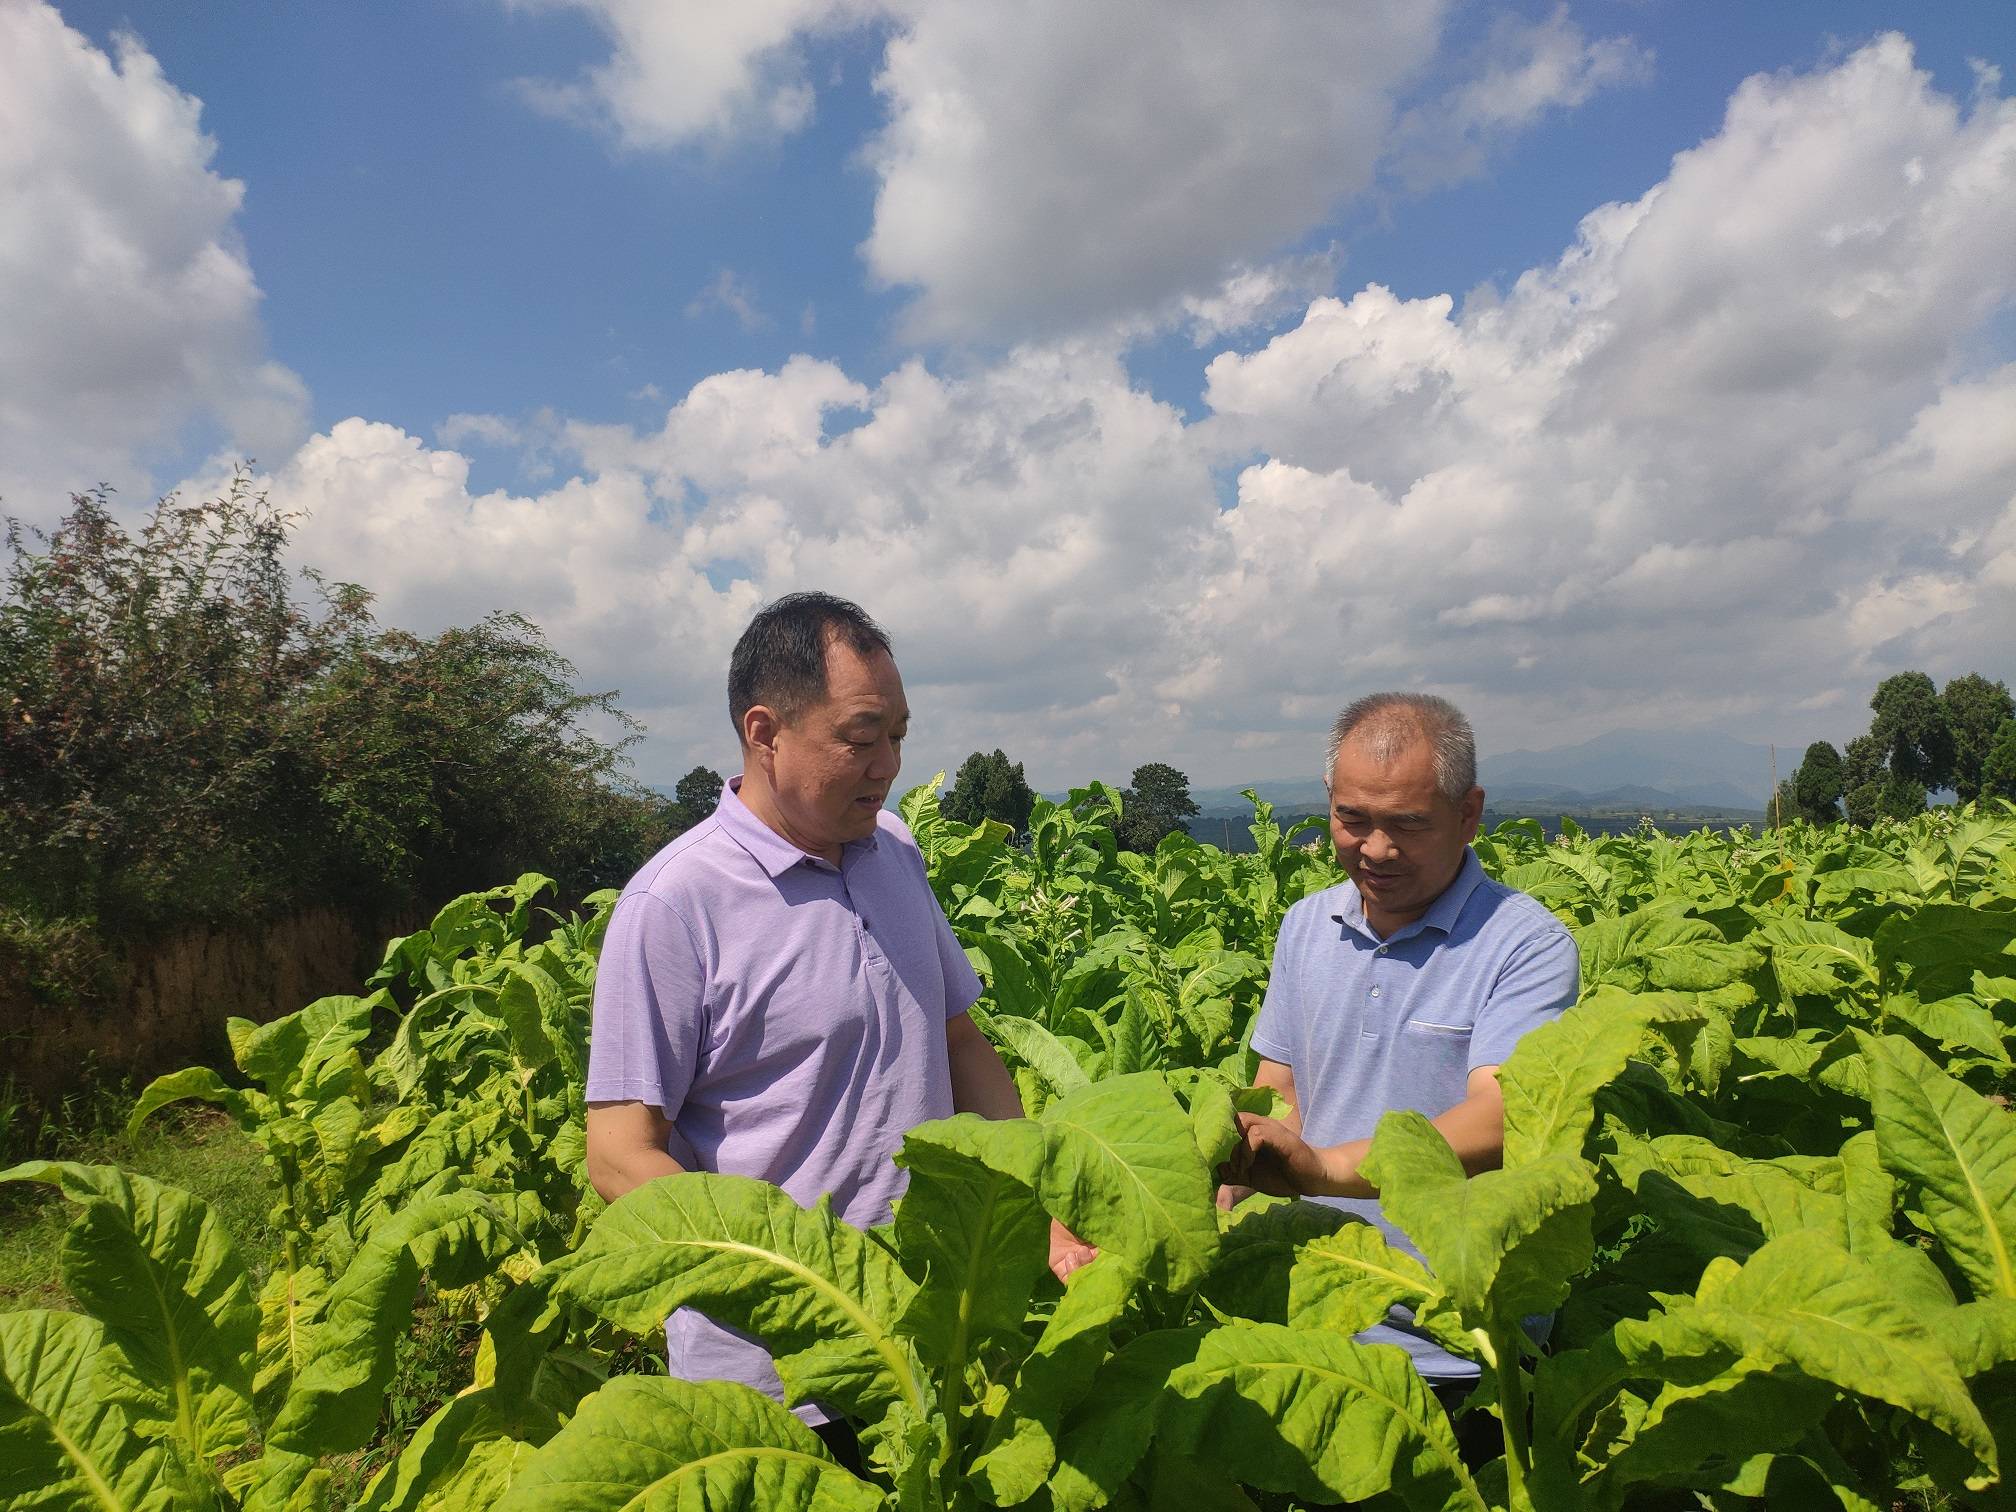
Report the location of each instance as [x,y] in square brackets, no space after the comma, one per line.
[1370,1025]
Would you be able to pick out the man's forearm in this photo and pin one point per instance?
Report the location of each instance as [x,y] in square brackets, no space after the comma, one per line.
[613,1175]
[980,1083]
[627,1147]
[1475,1129]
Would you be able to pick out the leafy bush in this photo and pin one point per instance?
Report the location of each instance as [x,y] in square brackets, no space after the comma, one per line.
[184,736]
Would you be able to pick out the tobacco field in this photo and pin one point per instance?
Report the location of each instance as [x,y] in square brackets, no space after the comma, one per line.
[1763,1175]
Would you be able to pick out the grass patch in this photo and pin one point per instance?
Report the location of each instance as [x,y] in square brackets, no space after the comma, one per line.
[198,1149]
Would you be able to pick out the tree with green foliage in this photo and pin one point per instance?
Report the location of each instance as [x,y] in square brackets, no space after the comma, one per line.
[1975,710]
[1783,808]
[1998,768]
[694,797]
[989,786]
[184,737]
[1911,727]
[1154,805]
[1862,774]
[1901,797]
[699,791]
[1817,784]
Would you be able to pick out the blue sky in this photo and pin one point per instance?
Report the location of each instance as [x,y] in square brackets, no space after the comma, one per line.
[428,245]
[1075,292]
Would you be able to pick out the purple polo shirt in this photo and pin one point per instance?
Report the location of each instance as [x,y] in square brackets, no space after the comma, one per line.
[788,1014]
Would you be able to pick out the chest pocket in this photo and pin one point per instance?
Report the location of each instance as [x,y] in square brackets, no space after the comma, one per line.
[1434,1056]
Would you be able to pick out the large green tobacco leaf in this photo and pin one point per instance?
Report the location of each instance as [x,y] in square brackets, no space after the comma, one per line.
[1551,1080]
[1813,1476]
[156,1266]
[1021,1446]
[824,1298]
[1952,1023]
[1122,1170]
[1811,957]
[1258,1254]
[1701,1433]
[336,1126]
[1316,1415]
[1039,1050]
[279,1481]
[286,1054]
[658,1445]
[1347,1281]
[1805,1303]
[455,1450]
[1118,1164]
[534,1011]
[491,1469]
[471,924]
[1105,1439]
[1657,947]
[1502,1244]
[1718,1203]
[63,1444]
[334,1403]
[1869,1194]
[201,1084]
[1959,1150]
[1136,1040]
[288,1304]
[1978,1335]
[1012,990]
[974,1238]
[1936,950]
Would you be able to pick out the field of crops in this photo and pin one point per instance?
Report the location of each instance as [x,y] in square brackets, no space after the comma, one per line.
[1763,1174]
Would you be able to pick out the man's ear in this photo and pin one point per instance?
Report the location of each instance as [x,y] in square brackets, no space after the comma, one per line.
[760,725]
[1473,812]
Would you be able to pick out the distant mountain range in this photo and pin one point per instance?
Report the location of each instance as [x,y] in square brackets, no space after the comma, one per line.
[1646,770]
[1699,767]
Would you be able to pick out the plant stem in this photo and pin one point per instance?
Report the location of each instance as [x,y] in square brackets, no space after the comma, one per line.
[1501,1352]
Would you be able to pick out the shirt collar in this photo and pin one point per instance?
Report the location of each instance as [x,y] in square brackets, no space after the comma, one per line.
[1442,914]
[770,850]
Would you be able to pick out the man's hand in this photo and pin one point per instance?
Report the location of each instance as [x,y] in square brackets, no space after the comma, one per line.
[1274,1158]
[1230,1195]
[1068,1251]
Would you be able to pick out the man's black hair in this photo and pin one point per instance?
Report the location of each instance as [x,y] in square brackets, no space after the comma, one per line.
[780,661]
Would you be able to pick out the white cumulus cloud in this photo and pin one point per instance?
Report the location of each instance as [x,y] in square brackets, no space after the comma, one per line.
[1049,168]
[1055,164]
[1732,456]
[131,314]
[681,71]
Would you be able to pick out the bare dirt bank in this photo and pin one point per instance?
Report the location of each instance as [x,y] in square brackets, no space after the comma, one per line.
[168,999]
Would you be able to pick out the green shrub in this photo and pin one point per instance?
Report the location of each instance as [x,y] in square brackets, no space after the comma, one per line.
[186,735]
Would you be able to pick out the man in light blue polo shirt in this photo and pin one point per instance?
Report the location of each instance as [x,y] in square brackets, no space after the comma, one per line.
[1405,987]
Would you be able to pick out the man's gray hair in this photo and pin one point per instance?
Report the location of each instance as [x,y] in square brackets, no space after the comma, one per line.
[1389,723]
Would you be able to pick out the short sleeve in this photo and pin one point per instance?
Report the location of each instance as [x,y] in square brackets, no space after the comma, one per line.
[650,1011]
[1538,982]
[962,983]
[1278,1028]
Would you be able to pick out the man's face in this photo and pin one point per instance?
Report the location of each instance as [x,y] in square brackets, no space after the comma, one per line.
[1397,836]
[833,765]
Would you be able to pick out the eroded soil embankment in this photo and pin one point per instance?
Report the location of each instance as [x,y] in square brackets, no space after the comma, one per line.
[172,997]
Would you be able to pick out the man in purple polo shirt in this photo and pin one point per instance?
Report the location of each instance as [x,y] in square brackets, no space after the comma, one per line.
[779,995]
